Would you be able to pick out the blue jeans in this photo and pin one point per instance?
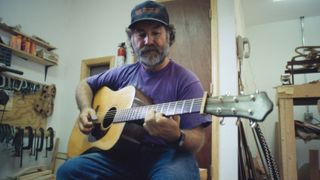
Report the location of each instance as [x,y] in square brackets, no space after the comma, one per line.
[147,163]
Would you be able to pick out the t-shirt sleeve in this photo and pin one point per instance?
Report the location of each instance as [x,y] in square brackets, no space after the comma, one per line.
[108,78]
[192,90]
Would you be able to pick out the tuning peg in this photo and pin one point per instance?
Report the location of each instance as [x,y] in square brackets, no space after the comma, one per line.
[252,97]
[257,91]
[222,123]
[227,93]
[234,110]
[219,110]
[235,99]
[252,124]
[238,121]
[220,98]
[250,111]
[242,93]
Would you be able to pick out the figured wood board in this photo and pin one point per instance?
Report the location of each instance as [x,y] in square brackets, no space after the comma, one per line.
[22,113]
[192,49]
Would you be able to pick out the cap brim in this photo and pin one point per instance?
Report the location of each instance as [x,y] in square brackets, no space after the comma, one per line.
[147,19]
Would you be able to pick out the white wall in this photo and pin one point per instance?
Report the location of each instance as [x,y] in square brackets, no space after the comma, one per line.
[80,29]
[272,46]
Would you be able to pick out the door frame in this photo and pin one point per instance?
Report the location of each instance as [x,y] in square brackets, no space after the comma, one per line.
[86,64]
[215,134]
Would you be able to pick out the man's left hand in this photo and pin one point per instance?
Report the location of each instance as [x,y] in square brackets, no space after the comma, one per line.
[158,125]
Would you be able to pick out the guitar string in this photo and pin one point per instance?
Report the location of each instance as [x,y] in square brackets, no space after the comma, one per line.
[133,111]
[112,113]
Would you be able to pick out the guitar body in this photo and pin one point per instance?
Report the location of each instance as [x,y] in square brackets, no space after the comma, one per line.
[104,100]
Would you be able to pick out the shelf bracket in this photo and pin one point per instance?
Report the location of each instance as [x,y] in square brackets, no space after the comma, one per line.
[46,72]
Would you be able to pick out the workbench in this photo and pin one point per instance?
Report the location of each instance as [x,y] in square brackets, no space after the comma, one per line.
[289,96]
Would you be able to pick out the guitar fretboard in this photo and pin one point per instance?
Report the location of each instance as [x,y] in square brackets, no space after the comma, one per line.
[168,109]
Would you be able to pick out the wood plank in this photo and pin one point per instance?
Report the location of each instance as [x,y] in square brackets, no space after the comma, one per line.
[203,174]
[46,177]
[27,56]
[299,91]
[288,161]
[214,89]
[54,155]
[35,175]
[28,170]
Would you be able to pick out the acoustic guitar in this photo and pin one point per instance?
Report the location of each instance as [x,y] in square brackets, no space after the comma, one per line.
[116,109]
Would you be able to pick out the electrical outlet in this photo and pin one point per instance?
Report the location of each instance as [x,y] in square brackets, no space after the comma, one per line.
[308,116]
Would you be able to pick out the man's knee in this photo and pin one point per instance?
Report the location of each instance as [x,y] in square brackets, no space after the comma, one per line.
[64,171]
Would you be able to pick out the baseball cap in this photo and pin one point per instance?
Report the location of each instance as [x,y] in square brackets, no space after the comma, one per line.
[150,11]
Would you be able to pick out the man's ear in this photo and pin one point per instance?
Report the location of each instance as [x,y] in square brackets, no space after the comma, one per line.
[172,33]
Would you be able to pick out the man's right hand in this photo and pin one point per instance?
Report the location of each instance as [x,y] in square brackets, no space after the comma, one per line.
[85,120]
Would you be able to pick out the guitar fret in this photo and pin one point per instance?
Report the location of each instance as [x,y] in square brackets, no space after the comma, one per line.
[158,108]
[118,116]
[186,106]
[141,112]
[128,114]
[167,108]
[191,105]
[161,108]
[133,113]
[125,116]
[183,102]
[175,106]
[179,107]
[144,112]
[146,109]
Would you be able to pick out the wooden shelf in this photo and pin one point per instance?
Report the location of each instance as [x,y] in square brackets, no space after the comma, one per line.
[37,41]
[30,57]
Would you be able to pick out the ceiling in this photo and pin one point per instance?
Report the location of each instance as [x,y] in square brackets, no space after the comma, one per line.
[267,11]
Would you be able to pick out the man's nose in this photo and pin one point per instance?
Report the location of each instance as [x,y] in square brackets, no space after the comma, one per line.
[148,40]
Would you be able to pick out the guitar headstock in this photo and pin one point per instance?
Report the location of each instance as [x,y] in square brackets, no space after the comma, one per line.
[254,106]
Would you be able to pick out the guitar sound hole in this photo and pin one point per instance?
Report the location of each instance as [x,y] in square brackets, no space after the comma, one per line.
[96,133]
[108,118]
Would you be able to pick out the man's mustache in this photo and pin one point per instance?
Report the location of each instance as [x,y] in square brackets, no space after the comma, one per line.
[148,49]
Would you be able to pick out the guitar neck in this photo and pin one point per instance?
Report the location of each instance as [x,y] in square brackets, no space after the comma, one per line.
[168,109]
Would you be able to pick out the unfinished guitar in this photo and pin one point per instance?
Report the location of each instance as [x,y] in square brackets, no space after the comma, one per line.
[115,109]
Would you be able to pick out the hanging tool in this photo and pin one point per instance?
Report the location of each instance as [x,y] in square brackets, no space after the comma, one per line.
[40,146]
[51,136]
[30,137]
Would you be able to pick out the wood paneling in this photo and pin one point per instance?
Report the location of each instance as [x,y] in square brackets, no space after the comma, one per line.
[192,49]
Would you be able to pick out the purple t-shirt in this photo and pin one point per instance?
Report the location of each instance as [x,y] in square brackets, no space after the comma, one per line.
[172,83]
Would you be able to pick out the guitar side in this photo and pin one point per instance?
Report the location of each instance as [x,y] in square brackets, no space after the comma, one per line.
[122,99]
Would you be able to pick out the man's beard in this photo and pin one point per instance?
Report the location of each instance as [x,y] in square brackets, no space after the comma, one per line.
[151,56]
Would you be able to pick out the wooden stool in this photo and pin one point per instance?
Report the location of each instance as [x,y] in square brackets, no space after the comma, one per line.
[203,174]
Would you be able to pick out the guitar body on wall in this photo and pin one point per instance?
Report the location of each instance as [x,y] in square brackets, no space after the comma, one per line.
[115,109]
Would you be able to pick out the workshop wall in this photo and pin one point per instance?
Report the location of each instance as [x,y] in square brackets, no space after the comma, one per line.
[80,30]
[272,46]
